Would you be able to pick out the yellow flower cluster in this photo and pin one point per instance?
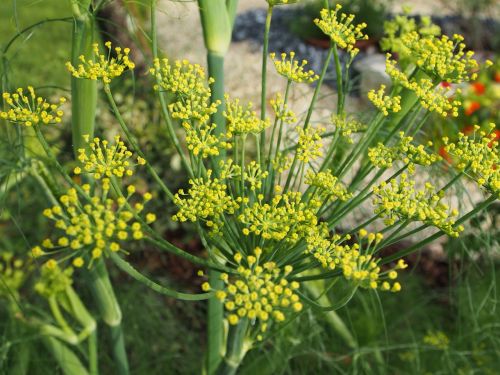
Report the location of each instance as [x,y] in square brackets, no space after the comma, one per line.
[431,97]
[286,217]
[340,29]
[253,175]
[53,280]
[384,102]
[13,273]
[189,85]
[281,110]
[228,170]
[329,185]
[347,126]
[94,224]
[356,261]
[290,68]
[443,59]
[200,140]
[281,162]
[480,153]
[106,160]
[29,109]
[397,28]
[259,292]
[400,200]
[437,339]
[207,199]
[242,119]
[102,67]
[309,143]
[383,156]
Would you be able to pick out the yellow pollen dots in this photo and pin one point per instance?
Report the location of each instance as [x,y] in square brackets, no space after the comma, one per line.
[253,176]
[432,98]
[400,200]
[106,160]
[28,109]
[281,110]
[442,58]
[309,144]
[242,119]
[201,141]
[94,225]
[340,29]
[356,261]
[329,185]
[13,273]
[284,218]
[383,156]
[346,126]
[480,154]
[258,291]
[102,67]
[207,200]
[384,102]
[188,85]
[290,68]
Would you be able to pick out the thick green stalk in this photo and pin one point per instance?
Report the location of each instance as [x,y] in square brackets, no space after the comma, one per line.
[263,93]
[70,364]
[217,18]
[84,102]
[110,311]
[340,83]
[236,349]
[216,71]
[83,91]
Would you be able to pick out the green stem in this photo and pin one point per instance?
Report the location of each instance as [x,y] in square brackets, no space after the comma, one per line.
[420,244]
[215,325]
[131,139]
[93,357]
[340,85]
[83,91]
[70,364]
[216,71]
[263,93]
[131,271]
[236,349]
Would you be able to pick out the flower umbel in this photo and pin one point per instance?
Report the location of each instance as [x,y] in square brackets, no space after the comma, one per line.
[28,109]
[290,68]
[106,160]
[340,28]
[258,291]
[95,223]
[102,67]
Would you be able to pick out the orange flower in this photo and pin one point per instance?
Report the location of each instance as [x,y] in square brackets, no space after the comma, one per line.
[444,154]
[473,107]
[445,84]
[478,88]
[497,77]
[468,129]
[496,137]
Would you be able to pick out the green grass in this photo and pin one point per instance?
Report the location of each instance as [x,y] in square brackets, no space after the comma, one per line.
[37,57]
